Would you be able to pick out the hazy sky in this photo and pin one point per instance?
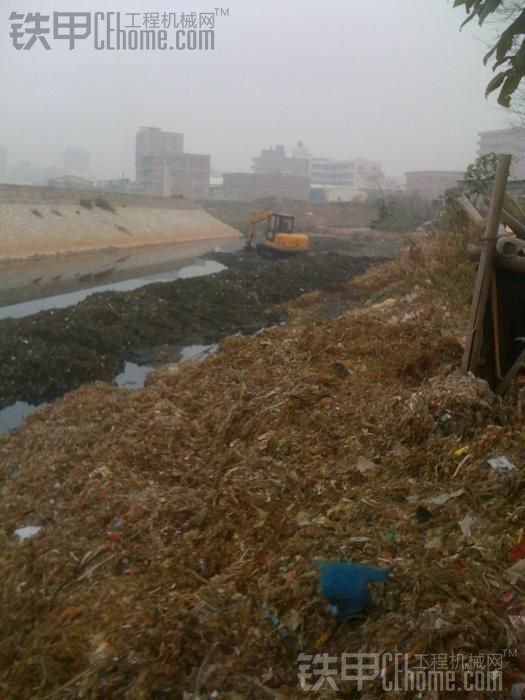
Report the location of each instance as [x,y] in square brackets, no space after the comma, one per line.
[388,80]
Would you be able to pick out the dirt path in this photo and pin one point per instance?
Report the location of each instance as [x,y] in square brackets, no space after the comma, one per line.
[45,355]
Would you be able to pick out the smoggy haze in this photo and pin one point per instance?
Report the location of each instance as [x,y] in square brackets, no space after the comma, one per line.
[388,80]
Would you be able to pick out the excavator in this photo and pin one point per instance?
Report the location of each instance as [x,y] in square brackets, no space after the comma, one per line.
[281,239]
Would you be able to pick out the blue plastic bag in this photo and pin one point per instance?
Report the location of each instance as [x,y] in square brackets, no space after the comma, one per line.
[345,585]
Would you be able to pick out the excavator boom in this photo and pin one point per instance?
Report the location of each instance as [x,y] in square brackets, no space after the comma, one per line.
[257,218]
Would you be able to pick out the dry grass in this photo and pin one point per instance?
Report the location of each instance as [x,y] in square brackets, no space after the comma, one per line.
[437,262]
[181,519]
[104,203]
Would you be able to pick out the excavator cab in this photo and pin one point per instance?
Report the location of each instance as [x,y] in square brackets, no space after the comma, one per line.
[280,223]
[281,238]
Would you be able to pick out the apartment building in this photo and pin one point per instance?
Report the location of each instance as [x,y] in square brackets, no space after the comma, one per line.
[164,169]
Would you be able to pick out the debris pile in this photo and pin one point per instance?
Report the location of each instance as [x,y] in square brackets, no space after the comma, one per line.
[453,403]
[180,523]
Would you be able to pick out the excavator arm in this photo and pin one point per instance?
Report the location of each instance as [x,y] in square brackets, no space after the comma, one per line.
[257,218]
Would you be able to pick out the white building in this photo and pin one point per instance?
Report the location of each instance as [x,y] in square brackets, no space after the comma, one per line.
[360,173]
[511,141]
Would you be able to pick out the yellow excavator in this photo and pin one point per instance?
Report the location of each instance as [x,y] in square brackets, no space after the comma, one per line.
[280,239]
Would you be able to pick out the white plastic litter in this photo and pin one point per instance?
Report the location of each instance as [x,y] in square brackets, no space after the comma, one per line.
[25,533]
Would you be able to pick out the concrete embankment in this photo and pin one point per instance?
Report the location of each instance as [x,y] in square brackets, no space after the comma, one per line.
[40,221]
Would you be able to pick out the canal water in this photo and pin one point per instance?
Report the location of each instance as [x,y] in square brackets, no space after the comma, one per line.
[133,376]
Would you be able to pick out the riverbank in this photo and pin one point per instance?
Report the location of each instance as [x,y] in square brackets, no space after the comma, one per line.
[43,356]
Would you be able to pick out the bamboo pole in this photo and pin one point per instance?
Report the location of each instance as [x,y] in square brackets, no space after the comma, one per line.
[495,326]
[472,213]
[484,275]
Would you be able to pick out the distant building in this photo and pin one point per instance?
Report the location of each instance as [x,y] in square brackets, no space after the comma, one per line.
[516,190]
[360,173]
[24,173]
[76,161]
[119,185]
[275,160]
[323,172]
[248,187]
[3,163]
[163,169]
[511,141]
[430,184]
[301,152]
[70,182]
[368,175]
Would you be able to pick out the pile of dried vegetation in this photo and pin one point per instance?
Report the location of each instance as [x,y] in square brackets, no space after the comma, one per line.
[179,523]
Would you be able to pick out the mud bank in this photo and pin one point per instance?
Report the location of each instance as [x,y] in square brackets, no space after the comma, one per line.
[52,352]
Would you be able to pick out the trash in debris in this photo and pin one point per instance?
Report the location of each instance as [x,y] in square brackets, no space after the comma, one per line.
[271,615]
[25,533]
[345,585]
[444,498]
[364,465]
[516,571]
[461,451]
[501,463]
[466,525]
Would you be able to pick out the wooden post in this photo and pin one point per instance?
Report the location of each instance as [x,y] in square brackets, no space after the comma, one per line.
[484,276]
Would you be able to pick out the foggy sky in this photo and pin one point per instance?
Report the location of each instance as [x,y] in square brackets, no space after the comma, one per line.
[388,80]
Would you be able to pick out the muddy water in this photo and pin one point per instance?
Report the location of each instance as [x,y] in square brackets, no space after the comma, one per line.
[199,268]
[44,355]
[26,280]
[133,376]
[13,416]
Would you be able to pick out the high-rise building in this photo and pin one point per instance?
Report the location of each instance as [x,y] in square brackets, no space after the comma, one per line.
[164,169]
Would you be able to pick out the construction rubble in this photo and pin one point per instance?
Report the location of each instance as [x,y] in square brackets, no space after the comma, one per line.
[179,523]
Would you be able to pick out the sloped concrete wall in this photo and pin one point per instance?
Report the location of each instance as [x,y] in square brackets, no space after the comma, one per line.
[36,222]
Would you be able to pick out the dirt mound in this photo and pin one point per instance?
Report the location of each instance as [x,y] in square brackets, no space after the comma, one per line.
[179,522]
[310,216]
